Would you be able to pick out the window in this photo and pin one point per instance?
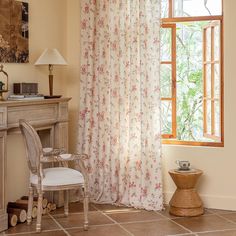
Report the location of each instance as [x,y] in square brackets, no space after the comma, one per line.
[192,72]
[168,80]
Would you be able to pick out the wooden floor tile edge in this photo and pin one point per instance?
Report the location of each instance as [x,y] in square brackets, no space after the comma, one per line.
[32,232]
[189,231]
[59,225]
[115,222]
[214,231]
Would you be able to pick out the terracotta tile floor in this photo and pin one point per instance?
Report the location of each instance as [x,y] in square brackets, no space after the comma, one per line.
[108,220]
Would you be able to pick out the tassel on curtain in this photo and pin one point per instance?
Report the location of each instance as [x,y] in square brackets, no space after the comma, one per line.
[119,120]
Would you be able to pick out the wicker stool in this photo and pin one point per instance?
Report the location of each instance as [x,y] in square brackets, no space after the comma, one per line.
[186,201]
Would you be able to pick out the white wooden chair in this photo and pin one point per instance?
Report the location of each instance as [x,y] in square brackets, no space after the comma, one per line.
[51,179]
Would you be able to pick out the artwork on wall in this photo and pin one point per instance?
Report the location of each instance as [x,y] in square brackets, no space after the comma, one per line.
[14,34]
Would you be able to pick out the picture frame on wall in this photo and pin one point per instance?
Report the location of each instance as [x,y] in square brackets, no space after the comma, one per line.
[14,31]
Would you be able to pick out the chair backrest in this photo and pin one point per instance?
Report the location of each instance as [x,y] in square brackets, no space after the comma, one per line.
[33,146]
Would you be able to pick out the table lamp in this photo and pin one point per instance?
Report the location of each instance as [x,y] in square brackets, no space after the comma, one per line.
[51,57]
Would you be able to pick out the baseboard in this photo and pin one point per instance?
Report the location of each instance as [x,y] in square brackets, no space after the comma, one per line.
[3,222]
[211,201]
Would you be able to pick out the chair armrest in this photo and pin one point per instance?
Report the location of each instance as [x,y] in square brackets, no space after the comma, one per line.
[62,158]
[81,167]
[53,151]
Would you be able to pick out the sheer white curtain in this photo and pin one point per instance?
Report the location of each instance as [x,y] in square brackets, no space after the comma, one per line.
[119,122]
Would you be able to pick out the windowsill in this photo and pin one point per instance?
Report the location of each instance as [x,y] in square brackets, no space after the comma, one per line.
[192,143]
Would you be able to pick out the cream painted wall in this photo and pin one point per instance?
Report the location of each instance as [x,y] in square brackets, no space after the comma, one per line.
[73,57]
[47,27]
[216,186]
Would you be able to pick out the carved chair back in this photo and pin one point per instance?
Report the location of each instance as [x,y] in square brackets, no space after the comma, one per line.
[34,150]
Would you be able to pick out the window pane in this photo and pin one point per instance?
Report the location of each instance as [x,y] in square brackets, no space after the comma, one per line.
[197,7]
[208,44]
[208,80]
[217,118]
[166,117]
[189,76]
[214,6]
[208,117]
[166,81]
[217,43]
[164,8]
[217,80]
[165,44]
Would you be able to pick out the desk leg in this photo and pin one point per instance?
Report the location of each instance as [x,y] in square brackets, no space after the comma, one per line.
[3,214]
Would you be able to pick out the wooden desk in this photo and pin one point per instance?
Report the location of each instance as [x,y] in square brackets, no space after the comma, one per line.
[186,201]
[48,114]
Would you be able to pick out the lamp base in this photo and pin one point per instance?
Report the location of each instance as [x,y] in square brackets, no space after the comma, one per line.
[53,96]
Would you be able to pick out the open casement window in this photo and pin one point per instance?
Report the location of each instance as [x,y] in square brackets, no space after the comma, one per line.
[212,80]
[192,94]
[168,80]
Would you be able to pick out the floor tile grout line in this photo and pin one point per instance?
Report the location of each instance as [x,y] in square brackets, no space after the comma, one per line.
[71,213]
[143,221]
[137,221]
[116,223]
[33,232]
[183,234]
[190,231]
[58,224]
[223,230]
[180,217]
[213,231]
[215,214]
[120,225]
[231,221]
[80,227]
[177,224]
[129,222]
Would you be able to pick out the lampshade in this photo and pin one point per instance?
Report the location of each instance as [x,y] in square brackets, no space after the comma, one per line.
[51,57]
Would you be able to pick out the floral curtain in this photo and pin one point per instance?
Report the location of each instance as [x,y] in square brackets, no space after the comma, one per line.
[119,120]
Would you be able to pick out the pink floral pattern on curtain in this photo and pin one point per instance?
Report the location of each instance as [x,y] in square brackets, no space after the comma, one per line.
[119,120]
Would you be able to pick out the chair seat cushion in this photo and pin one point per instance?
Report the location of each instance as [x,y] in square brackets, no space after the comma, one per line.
[65,156]
[59,176]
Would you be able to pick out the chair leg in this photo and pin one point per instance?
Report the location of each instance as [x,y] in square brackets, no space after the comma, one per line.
[66,202]
[85,203]
[30,205]
[39,212]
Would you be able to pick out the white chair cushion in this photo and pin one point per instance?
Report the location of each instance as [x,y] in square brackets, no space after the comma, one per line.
[59,176]
[47,149]
[65,156]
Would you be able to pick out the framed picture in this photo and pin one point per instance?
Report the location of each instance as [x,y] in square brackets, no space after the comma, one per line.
[14,33]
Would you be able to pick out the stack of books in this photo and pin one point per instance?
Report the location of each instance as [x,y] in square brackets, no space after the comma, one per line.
[17,97]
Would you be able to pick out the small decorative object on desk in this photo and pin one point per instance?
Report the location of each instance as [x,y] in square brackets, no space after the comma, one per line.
[183,165]
[19,97]
[3,83]
[25,88]
[25,91]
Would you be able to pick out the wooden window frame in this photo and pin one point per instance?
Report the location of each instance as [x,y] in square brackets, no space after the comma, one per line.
[172,62]
[167,139]
[212,62]
[172,18]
